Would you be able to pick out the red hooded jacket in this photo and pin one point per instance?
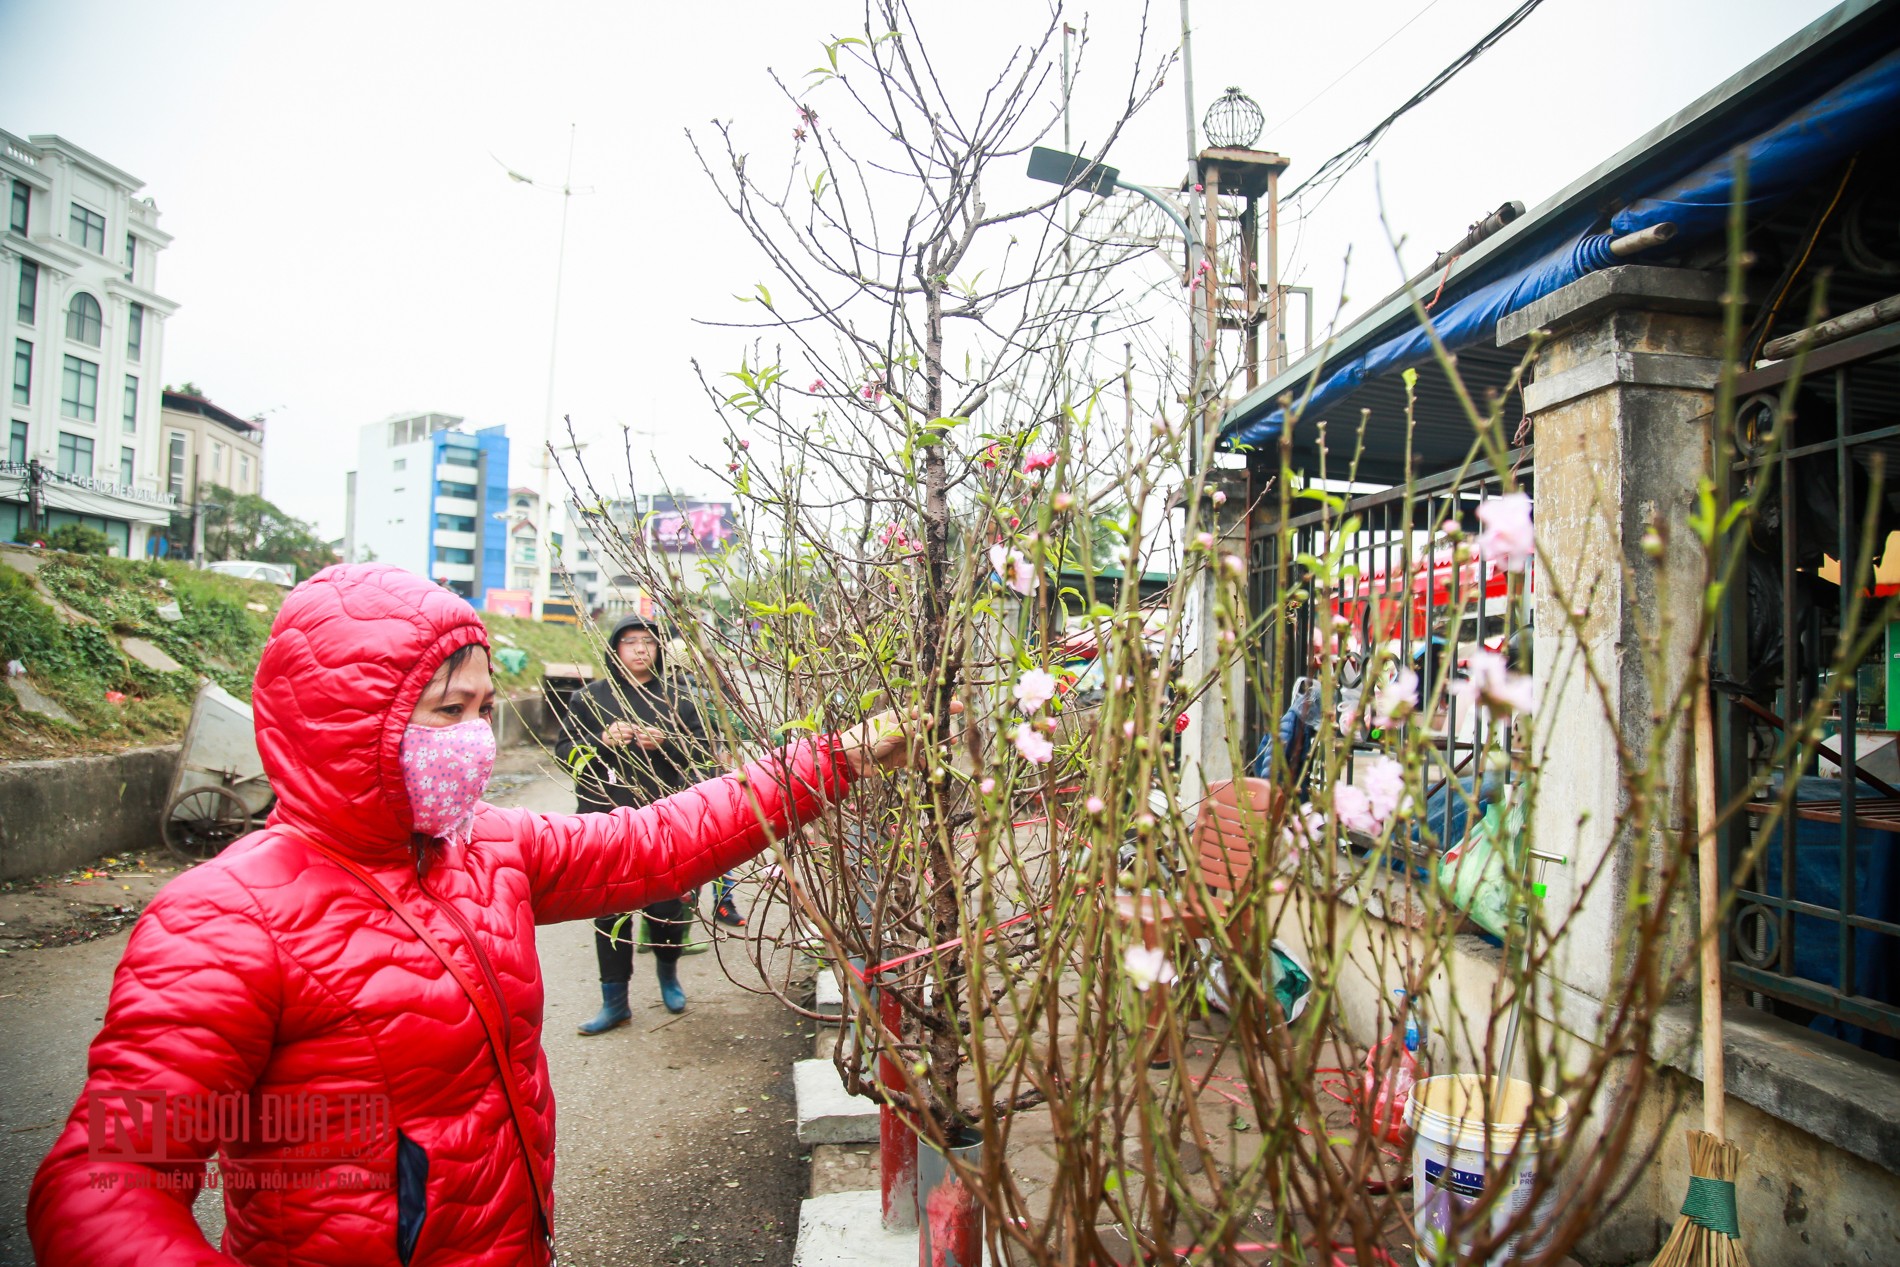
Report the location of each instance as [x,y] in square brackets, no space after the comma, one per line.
[271,1008]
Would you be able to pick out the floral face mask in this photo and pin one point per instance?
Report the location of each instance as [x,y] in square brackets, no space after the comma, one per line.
[445,769]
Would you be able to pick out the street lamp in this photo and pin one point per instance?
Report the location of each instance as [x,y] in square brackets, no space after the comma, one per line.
[1075,172]
[543,576]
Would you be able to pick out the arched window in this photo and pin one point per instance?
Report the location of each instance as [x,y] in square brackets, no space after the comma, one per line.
[83,321]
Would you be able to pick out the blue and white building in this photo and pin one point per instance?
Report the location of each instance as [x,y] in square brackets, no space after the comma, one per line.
[429,496]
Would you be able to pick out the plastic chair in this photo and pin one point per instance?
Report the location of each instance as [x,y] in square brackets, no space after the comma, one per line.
[1222,855]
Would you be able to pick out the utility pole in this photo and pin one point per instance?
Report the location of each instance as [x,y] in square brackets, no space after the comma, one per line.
[1068,33]
[544,556]
[544,573]
[1204,746]
[1200,334]
[35,518]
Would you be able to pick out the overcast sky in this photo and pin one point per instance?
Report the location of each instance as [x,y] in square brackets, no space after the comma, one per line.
[347,247]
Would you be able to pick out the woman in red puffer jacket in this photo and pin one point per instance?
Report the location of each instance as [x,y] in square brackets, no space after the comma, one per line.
[346,1006]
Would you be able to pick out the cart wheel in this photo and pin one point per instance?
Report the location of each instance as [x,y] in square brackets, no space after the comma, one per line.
[203,821]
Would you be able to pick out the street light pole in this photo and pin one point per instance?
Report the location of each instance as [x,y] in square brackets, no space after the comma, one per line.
[1201,286]
[544,565]
[544,570]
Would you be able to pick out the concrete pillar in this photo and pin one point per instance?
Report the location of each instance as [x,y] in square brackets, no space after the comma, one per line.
[1220,714]
[1622,396]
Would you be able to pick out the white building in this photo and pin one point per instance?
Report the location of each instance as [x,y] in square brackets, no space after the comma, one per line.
[85,331]
[524,538]
[433,498]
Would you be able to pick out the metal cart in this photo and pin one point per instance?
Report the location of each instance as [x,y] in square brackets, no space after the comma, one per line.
[220,788]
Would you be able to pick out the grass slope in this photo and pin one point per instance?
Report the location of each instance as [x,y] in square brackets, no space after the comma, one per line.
[66,617]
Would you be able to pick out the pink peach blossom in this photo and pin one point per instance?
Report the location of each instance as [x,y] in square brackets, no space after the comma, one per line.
[1384,782]
[1492,686]
[1395,700]
[1148,967]
[1505,533]
[1353,809]
[1034,689]
[1033,746]
[1016,571]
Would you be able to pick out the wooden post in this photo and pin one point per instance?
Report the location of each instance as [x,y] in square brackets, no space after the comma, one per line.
[1276,298]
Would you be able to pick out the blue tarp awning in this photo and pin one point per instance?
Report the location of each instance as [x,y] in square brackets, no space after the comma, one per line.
[1782,158]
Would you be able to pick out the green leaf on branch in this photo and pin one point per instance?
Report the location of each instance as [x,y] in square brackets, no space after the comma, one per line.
[1321,495]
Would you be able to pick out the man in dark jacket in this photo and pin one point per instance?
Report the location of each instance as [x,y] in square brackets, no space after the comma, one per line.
[632,738]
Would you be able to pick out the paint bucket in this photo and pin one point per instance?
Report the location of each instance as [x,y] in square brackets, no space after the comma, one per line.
[1458,1156]
[949,1217]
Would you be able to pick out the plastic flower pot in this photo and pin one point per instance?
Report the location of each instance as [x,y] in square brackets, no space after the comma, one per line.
[949,1217]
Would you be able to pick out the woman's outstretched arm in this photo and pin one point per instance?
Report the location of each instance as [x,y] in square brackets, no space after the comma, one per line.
[584,865]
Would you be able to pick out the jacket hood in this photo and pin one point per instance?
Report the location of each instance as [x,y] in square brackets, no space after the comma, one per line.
[621,629]
[348,657]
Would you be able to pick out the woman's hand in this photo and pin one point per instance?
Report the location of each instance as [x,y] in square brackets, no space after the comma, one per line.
[889,741]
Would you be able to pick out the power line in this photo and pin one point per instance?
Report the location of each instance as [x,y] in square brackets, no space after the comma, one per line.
[1430,5]
[1335,168]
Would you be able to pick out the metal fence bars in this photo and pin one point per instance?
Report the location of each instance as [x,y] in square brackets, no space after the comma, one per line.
[1814,934]
[1406,590]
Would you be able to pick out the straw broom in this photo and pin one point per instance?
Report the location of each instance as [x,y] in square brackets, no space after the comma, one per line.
[1708,1233]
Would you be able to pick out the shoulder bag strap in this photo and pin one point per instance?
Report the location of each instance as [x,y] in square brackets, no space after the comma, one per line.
[497,1042]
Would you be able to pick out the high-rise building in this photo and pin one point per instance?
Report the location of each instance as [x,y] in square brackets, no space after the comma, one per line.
[428,496]
[84,331]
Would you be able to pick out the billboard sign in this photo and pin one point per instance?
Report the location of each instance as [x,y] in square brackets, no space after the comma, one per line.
[690,525]
[510,603]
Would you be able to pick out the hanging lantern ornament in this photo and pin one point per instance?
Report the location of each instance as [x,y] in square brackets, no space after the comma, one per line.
[1234,121]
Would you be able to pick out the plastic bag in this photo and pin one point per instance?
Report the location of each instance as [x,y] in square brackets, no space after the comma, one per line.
[1383,1091]
[1382,1102]
[1290,981]
[1473,873]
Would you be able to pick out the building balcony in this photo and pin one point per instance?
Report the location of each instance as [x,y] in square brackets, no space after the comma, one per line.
[457,506]
[452,571]
[457,540]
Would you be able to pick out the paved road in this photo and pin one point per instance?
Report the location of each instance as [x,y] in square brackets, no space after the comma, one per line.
[676,1141]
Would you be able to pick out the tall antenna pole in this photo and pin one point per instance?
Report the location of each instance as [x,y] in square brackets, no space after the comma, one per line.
[544,573]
